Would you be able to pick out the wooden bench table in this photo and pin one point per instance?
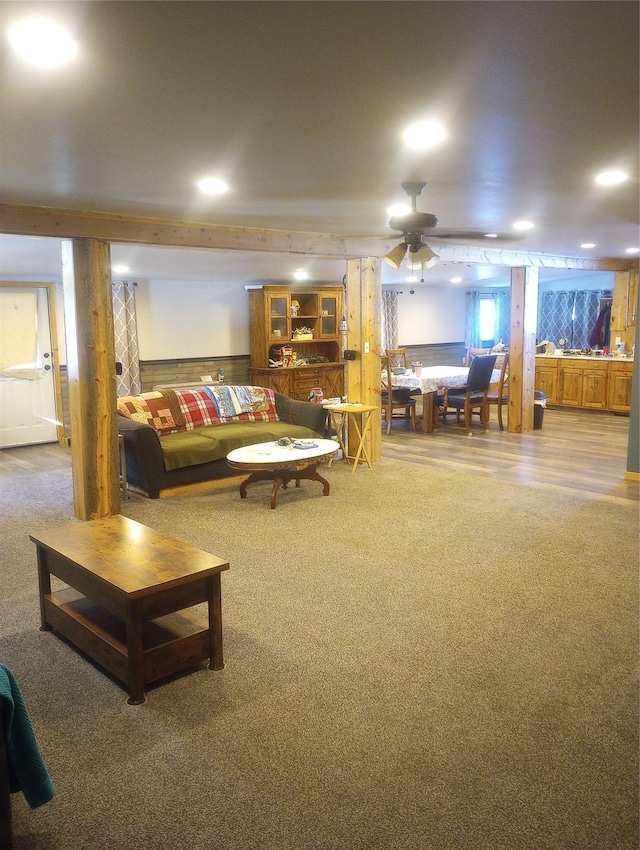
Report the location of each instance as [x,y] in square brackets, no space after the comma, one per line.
[126,583]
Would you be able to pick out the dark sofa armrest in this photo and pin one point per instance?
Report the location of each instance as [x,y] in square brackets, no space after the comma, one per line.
[307,413]
[143,454]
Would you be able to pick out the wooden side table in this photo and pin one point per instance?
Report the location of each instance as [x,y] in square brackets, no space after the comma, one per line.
[126,585]
[358,416]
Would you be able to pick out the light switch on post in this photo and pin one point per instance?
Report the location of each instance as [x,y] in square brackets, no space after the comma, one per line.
[366,348]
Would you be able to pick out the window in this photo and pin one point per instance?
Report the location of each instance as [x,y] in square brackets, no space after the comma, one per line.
[487,320]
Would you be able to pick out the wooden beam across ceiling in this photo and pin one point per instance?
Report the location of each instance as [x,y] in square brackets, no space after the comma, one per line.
[69,224]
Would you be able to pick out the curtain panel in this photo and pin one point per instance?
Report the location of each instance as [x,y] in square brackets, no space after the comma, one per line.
[126,337]
[570,316]
[389,330]
[472,321]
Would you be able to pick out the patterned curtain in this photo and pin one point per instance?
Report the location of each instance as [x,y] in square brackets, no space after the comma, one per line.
[472,321]
[569,315]
[502,300]
[389,334]
[556,316]
[586,310]
[126,337]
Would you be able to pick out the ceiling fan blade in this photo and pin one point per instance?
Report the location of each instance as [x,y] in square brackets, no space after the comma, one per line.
[475,235]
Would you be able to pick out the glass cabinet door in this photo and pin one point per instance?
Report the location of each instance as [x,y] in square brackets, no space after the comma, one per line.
[279,317]
[328,316]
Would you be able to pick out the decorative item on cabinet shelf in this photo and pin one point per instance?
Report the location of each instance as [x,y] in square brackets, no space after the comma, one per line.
[302,333]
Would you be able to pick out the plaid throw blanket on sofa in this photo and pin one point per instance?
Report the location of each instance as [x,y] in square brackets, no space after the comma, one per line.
[243,402]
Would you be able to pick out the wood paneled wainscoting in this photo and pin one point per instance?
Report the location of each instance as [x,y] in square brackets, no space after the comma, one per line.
[153,372]
[439,354]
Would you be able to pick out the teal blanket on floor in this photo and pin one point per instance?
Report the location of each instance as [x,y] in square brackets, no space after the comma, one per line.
[27,771]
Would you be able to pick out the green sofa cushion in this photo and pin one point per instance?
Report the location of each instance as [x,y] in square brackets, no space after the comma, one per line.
[213,442]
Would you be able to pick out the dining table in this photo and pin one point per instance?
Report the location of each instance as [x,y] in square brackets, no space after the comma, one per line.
[430,381]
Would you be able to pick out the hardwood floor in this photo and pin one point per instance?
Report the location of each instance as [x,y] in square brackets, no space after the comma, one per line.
[39,458]
[574,450]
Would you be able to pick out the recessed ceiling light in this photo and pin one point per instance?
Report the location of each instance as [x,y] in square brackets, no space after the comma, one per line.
[588,245]
[424,135]
[522,225]
[632,251]
[611,178]
[212,186]
[42,42]
[491,235]
[300,274]
[456,280]
[120,269]
[398,209]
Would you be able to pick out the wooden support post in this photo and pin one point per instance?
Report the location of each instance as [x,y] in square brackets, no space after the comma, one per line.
[86,276]
[624,309]
[363,310]
[522,348]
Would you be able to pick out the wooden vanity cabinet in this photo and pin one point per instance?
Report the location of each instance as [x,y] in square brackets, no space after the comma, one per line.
[570,384]
[583,383]
[593,383]
[547,379]
[620,382]
[276,312]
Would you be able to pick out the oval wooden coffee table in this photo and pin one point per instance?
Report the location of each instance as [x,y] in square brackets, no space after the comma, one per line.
[281,464]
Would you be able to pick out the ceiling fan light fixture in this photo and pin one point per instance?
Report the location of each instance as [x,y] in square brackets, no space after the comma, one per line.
[396,255]
[422,257]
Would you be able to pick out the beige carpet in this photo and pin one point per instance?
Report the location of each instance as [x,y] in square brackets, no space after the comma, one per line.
[420,660]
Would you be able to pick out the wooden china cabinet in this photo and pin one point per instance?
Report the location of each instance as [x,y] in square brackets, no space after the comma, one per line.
[308,321]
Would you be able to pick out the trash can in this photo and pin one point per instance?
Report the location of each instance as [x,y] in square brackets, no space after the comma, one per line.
[539,404]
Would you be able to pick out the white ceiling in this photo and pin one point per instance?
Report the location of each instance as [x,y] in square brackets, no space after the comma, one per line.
[300,106]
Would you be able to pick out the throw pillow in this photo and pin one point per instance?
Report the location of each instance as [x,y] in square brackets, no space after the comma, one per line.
[158,409]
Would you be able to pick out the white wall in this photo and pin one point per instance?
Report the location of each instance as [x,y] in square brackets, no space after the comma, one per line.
[191,319]
[436,314]
[431,315]
[211,318]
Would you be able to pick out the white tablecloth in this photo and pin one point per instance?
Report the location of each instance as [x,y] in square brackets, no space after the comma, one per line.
[434,377]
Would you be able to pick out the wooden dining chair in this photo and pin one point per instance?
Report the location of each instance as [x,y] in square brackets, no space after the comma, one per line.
[473,395]
[400,359]
[475,352]
[395,398]
[500,397]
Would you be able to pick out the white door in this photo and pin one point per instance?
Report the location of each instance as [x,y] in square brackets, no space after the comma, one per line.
[27,387]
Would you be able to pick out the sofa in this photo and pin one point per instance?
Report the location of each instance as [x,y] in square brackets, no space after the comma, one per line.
[175,437]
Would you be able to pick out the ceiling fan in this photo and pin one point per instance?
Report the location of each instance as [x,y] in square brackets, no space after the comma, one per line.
[413,225]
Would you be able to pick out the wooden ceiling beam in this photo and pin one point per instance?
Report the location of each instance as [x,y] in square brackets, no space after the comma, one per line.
[69,224]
